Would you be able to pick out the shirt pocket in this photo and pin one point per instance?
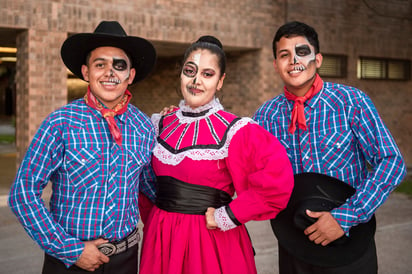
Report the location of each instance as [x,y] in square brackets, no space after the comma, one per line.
[136,160]
[83,167]
[337,150]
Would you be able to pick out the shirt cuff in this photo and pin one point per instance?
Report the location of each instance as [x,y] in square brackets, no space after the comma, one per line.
[344,219]
[224,222]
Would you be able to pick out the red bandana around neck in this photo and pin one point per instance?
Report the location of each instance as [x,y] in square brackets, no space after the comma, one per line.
[109,114]
[298,111]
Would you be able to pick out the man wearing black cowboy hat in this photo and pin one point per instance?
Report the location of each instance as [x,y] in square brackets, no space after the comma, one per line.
[345,162]
[96,151]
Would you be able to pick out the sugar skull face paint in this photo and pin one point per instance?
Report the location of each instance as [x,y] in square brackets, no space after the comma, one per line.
[303,56]
[120,66]
[296,63]
[109,73]
[191,68]
[200,78]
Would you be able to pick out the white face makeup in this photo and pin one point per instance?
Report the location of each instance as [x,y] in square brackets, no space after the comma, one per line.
[196,58]
[200,78]
[109,73]
[192,67]
[296,63]
[304,55]
[120,67]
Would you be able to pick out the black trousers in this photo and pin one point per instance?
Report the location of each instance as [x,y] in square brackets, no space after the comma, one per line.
[123,263]
[367,264]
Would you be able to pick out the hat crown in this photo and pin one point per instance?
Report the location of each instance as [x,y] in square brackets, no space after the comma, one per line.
[108,34]
[110,28]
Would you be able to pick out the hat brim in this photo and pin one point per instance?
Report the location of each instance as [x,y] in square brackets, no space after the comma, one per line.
[319,192]
[76,47]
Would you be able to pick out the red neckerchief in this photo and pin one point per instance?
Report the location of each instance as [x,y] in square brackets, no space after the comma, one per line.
[109,114]
[298,111]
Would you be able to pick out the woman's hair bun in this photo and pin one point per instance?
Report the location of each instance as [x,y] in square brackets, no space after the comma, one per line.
[210,39]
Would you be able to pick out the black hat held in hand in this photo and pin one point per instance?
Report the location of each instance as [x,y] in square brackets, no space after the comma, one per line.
[319,192]
[108,34]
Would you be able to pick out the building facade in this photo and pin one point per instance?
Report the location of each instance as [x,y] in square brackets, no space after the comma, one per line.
[350,29]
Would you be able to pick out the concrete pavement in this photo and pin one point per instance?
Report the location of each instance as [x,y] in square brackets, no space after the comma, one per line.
[20,255]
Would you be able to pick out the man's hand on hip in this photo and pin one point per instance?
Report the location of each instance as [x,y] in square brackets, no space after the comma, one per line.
[91,257]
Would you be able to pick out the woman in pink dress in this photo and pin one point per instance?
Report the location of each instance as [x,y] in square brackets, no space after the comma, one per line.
[203,157]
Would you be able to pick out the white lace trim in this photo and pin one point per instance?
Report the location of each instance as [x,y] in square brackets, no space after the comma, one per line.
[169,158]
[213,107]
[155,120]
[223,220]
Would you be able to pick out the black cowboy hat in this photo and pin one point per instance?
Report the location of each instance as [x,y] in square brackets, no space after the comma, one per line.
[319,192]
[108,34]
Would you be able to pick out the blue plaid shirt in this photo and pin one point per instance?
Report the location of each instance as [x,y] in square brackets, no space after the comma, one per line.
[345,134]
[95,182]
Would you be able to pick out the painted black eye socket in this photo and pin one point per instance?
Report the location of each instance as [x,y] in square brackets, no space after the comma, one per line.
[120,64]
[303,51]
[189,71]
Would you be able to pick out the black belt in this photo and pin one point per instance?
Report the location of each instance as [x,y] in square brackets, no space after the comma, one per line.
[114,248]
[174,195]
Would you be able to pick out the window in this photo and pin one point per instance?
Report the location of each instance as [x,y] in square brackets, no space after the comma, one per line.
[333,66]
[383,69]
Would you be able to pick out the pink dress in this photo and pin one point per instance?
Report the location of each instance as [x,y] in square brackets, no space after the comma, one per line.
[210,147]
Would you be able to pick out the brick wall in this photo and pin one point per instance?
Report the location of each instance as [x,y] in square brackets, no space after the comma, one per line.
[373,29]
[246,29]
[40,82]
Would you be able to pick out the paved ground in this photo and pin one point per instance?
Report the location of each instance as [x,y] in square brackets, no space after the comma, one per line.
[20,255]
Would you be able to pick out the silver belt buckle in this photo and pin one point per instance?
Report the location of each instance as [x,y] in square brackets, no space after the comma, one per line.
[107,249]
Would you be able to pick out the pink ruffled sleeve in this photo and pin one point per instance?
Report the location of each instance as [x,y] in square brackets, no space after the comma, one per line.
[261,173]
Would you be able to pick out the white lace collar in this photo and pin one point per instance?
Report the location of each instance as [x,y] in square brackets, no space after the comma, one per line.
[187,115]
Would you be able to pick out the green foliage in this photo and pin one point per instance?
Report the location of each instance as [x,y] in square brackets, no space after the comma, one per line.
[405,187]
[7,139]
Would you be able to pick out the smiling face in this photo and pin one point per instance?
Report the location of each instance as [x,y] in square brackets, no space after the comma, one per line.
[109,73]
[296,63]
[200,78]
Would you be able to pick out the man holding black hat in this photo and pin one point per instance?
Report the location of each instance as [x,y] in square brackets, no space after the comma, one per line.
[345,162]
[96,152]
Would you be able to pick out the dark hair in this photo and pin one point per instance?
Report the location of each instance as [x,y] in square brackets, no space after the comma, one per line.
[212,44]
[296,28]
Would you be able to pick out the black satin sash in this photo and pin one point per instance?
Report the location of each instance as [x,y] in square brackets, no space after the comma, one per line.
[174,195]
